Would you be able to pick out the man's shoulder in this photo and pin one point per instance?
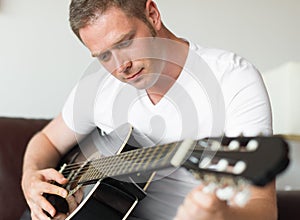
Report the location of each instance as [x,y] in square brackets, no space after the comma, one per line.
[220,56]
[223,62]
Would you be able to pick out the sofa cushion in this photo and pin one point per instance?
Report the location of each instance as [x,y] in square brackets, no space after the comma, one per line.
[15,134]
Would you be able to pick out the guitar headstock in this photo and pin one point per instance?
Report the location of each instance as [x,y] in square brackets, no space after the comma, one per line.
[226,165]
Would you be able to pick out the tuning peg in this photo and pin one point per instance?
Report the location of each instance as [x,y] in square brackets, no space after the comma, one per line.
[215,145]
[239,167]
[252,145]
[222,165]
[205,162]
[203,143]
[242,197]
[234,145]
[194,160]
[225,193]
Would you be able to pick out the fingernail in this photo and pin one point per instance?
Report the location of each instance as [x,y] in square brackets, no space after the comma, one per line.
[52,213]
[64,194]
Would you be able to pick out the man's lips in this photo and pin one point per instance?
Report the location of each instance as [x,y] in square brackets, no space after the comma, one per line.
[134,75]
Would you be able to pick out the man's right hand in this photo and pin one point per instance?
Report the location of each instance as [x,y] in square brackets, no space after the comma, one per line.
[37,182]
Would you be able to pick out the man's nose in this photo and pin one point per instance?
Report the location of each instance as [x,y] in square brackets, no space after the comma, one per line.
[122,62]
[125,67]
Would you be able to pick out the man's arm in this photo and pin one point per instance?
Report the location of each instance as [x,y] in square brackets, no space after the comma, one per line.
[248,112]
[42,154]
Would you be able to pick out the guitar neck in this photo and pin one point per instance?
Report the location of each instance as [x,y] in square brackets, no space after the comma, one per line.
[237,158]
[136,161]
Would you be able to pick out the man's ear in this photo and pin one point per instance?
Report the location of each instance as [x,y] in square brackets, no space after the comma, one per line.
[153,15]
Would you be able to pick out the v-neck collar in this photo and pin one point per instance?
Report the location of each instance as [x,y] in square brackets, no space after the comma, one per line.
[172,91]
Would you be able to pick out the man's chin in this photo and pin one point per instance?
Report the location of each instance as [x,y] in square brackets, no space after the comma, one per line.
[142,83]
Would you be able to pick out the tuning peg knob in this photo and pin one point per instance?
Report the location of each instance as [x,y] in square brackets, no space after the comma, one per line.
[205,162]
[222,165]
[234,145]
[215,145]
[252,145]
[239,167]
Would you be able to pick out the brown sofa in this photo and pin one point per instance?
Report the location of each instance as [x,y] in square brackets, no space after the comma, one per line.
[16,132]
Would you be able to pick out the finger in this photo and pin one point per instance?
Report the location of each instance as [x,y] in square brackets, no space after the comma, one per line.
[78,196]
[52,174]
[45,205]
[72,203]
[207,201]
[33,216]
[38,214]
[191,207]
[60,216]
[182,214]
[49,188]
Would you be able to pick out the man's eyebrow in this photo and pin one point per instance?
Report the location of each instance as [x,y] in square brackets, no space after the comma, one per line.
[123,37]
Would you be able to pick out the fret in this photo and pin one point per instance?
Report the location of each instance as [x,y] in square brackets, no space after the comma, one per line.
[135,161]
[172,151]
[147,156]
[150,158]
[119,166]
[160,155]
[137,169]
[111,165]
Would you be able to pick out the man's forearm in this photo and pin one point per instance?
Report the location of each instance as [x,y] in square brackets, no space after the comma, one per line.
[40,153]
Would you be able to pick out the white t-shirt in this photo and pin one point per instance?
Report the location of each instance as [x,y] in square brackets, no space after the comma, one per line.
[217,92]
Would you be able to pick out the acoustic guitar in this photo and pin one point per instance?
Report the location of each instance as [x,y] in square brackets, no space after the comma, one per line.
[115,180]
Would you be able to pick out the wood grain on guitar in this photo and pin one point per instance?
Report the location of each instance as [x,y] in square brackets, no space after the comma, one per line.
[226,166]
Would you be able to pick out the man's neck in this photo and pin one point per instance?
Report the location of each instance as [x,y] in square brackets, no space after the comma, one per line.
[176,53]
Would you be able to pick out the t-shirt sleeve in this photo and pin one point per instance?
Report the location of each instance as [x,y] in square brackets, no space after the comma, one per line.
[78,110]
[248,110]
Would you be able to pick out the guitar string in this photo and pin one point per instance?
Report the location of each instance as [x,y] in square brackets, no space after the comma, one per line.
[79,164]
[109,170]
[107,164]
[141,152]
[123,154]
[94,174]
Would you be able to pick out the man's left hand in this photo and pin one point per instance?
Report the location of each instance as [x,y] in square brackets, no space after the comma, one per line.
[199,205]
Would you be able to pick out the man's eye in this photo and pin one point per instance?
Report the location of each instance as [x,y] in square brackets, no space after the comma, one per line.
[104,57]
[125,43]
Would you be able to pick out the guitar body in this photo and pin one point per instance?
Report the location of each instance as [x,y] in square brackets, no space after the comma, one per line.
[107,198]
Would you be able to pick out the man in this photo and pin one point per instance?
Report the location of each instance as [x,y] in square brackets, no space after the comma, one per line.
[131,42]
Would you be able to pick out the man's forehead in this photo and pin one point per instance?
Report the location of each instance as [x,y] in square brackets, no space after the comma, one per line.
[106,31]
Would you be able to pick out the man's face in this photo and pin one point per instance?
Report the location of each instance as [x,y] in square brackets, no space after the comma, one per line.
[124,46]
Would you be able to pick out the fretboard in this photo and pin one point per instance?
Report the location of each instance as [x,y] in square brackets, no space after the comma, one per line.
[130,162]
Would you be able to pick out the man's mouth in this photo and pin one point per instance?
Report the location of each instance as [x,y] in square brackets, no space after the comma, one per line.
[135,75]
